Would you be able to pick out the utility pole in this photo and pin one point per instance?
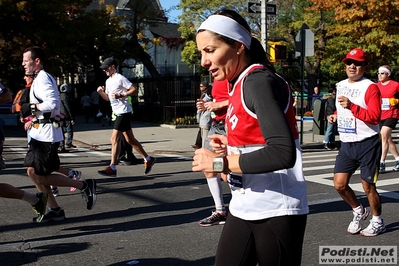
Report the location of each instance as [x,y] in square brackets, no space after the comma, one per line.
[304,46]
[264,24]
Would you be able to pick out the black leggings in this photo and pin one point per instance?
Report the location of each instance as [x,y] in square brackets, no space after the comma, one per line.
[275,241]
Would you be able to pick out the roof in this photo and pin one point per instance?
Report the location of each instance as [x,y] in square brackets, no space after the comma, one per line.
[169,30]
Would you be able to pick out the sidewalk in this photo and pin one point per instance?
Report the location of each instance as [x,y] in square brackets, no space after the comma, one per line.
[164,138]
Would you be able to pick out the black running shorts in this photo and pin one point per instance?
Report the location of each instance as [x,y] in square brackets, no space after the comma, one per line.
[43,157]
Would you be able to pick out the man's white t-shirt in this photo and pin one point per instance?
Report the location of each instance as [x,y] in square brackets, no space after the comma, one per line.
[118,84]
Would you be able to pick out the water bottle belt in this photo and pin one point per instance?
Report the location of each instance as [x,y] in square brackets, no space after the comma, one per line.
[44,121]
[52,121]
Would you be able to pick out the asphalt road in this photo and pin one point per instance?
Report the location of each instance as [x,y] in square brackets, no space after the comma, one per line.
[152,220]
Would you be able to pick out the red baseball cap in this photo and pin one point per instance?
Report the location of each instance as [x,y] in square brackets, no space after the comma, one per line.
[356,54]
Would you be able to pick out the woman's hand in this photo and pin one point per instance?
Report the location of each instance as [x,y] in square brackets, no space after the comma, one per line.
[219,144]
[203,161]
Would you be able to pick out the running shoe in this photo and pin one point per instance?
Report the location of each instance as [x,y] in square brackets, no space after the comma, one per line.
[354,226]
[76,175]
[89,193]
[382,167]
[374,228]
[107,171]
[396,168]
[55,191]
[327,146]
[40,207]
[148,165]
[215,219]
[51,215]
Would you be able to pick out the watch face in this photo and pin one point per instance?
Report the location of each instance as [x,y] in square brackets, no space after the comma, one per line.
[218,166]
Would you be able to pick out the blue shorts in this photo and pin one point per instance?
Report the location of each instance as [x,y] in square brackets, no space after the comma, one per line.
[365,153]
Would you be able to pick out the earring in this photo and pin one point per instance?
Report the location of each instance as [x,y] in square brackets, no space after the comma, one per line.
[238,53]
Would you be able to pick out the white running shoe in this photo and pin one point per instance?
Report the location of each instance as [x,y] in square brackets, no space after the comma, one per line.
[355,227]
[374,228]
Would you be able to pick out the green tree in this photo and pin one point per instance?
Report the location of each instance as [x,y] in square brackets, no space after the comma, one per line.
[291,15]
[194,12]
[68,34]
[136,43]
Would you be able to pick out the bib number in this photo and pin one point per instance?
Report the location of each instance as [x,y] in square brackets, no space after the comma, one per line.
[346,124]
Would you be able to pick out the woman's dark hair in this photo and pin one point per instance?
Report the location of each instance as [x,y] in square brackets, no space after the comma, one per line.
[256,52]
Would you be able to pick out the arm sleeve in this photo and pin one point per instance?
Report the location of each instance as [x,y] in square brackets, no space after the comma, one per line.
[372,114]
[266,97]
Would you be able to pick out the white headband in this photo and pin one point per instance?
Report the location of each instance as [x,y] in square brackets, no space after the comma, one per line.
[227,27]
[384,69]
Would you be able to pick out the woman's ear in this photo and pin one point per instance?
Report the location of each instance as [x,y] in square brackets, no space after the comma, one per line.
[240,48]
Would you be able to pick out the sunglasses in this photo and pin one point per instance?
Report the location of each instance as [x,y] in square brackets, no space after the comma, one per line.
[382,73]
[356,63]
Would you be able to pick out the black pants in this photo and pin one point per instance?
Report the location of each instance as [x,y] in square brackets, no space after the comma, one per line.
[275,241]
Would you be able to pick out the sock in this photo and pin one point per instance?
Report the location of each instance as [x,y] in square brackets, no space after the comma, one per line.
[382,162]
[376,219]
[397,158]
[215,187]
[359,209]
[113,167]
[32,199]
[221,209]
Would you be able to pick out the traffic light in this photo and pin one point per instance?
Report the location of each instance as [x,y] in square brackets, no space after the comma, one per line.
[290,62]
[278,52]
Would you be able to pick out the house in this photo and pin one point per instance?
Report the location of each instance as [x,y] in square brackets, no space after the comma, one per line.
[180,87]
[166,57]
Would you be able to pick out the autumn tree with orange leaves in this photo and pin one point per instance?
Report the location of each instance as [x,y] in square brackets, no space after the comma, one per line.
[369,24]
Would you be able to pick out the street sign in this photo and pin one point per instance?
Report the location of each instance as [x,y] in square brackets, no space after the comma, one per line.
[256,8]
[271,9]
[308,39]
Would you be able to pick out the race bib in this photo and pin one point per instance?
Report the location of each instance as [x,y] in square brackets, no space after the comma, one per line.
[346,124]
[385,104]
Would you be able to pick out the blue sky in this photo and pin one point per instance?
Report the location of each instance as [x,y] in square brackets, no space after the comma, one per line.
[166,4]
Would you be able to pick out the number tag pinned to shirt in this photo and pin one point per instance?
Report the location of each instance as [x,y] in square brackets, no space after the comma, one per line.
[385,104]
[346,124]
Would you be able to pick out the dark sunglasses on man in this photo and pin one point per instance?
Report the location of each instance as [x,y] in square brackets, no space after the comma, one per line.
[356,63]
